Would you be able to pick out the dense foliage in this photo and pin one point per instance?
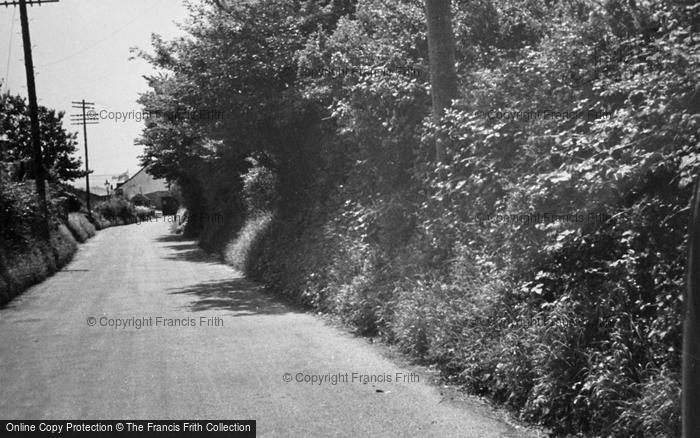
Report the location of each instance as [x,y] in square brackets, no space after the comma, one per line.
[541,265]
[117,210]
[20,217]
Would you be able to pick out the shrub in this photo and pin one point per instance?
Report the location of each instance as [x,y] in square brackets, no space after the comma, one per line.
[117,210]
[144,213]
[237,252]
[260,190]
[64,245]
[99,221]
[80,226]
[19,212]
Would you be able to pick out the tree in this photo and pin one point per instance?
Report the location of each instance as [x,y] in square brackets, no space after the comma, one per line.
[58,145]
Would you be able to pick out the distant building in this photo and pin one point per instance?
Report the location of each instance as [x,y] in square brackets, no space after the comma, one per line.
[101,184]
[143,188]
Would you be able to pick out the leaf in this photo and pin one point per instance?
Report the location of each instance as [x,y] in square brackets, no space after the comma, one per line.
[558,177]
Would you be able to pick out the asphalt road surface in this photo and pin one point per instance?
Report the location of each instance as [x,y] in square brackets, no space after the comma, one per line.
[228,358]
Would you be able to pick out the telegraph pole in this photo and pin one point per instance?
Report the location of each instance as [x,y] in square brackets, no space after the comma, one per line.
[84,119]
[37,157]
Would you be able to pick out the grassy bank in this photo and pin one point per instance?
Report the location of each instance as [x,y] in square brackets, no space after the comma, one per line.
[24,265]
[25,257]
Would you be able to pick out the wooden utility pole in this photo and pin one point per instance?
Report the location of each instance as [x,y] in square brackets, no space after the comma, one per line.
[691,328]
[441,54]
[37,156]
[82,119]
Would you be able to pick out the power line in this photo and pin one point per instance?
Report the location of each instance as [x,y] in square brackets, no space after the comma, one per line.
[9,51]
[97,43]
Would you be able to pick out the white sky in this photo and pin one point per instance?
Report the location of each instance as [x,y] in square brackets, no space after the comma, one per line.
[81,51]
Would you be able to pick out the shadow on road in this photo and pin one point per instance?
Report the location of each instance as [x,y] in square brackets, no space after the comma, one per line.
[239,295]
[185,249]
[171,238]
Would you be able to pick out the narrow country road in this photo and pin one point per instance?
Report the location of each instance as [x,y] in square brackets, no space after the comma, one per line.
[229,363]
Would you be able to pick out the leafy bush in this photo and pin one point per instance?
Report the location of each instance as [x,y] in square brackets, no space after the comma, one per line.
[237,252]
[80,226]
[64,245]
[143,213]
[19,212]
[99,221]
[260,190]
[117,210]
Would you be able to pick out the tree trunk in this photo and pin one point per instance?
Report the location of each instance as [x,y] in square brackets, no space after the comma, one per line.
[441,51]
[691,329]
